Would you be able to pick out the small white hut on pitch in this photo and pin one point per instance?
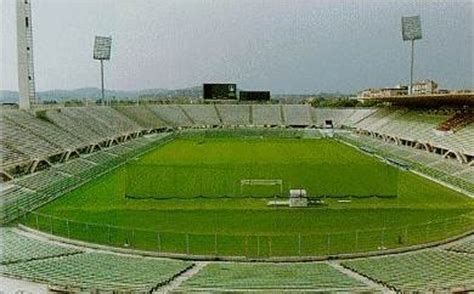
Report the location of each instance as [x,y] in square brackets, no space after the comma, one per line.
[298,198]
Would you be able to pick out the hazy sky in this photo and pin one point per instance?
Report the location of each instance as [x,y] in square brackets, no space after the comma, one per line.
[294,46]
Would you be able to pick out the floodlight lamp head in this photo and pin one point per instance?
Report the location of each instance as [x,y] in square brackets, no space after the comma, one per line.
[411,28]
[102,46]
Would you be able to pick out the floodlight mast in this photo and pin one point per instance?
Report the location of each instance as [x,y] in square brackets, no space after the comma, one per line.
[411,65]
[102,46]
[411,31]
[102,80]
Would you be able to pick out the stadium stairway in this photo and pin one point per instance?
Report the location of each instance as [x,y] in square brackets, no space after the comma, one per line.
[219,116]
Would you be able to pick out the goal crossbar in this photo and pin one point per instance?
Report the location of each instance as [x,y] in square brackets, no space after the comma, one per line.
[262,182]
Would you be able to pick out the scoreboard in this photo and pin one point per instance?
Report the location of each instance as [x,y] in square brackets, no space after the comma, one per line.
[254,96]
[219,91]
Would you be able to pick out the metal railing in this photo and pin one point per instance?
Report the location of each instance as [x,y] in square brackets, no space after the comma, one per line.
[251,245]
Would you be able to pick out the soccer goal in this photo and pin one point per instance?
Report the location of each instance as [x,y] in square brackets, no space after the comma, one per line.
[261,187]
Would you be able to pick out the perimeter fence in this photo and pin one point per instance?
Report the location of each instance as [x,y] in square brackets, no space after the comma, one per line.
[251,245]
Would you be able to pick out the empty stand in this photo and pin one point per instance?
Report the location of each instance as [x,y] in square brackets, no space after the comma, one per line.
[101,157]
[73,270]
[11,157]
[25,142]
[297,115]
[80,117]
[80,168]
[336,116]
[463,246]
[202,114]
[98,271]
[433,165]
[143,116]
[359,114]
[16,247]
[417,128]
[48,131]
[466,174]
[270,277]
[13,197]
[173,115]
[110,117]
[30,191]
[266,115]
[78,127]
[234,115]
[429,270]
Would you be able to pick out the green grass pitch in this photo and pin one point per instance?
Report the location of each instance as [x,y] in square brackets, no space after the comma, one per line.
[171,200]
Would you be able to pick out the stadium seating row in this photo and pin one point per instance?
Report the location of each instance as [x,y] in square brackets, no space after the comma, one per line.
[98,271]
[464,246]
[447,268]
[16,247]
[22,141]
[50,133]
[431,270]
[143,116]
[32,137]
[35,189]
[27,137]
[74,270]
[64,268]
[239,277]
[418,126]
[447,170]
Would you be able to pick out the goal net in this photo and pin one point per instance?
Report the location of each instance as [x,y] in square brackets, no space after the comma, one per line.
[261,187]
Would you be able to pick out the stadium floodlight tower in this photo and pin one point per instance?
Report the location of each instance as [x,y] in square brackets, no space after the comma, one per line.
[411,31]
[26,76]
[102,46]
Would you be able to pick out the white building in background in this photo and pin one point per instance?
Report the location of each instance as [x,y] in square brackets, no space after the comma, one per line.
[425,87]
[384,92]
[26,76]
[419,88]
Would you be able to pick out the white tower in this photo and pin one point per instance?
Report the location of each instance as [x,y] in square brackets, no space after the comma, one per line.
[26,76]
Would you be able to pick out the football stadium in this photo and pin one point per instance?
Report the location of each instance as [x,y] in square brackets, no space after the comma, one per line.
[235,195]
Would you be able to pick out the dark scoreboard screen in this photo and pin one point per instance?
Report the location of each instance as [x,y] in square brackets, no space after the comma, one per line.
[254,96]
[219,91]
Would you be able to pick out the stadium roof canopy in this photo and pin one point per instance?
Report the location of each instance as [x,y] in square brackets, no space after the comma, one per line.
[429,100]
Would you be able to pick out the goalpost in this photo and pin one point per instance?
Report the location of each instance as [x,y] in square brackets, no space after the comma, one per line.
[261,182]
